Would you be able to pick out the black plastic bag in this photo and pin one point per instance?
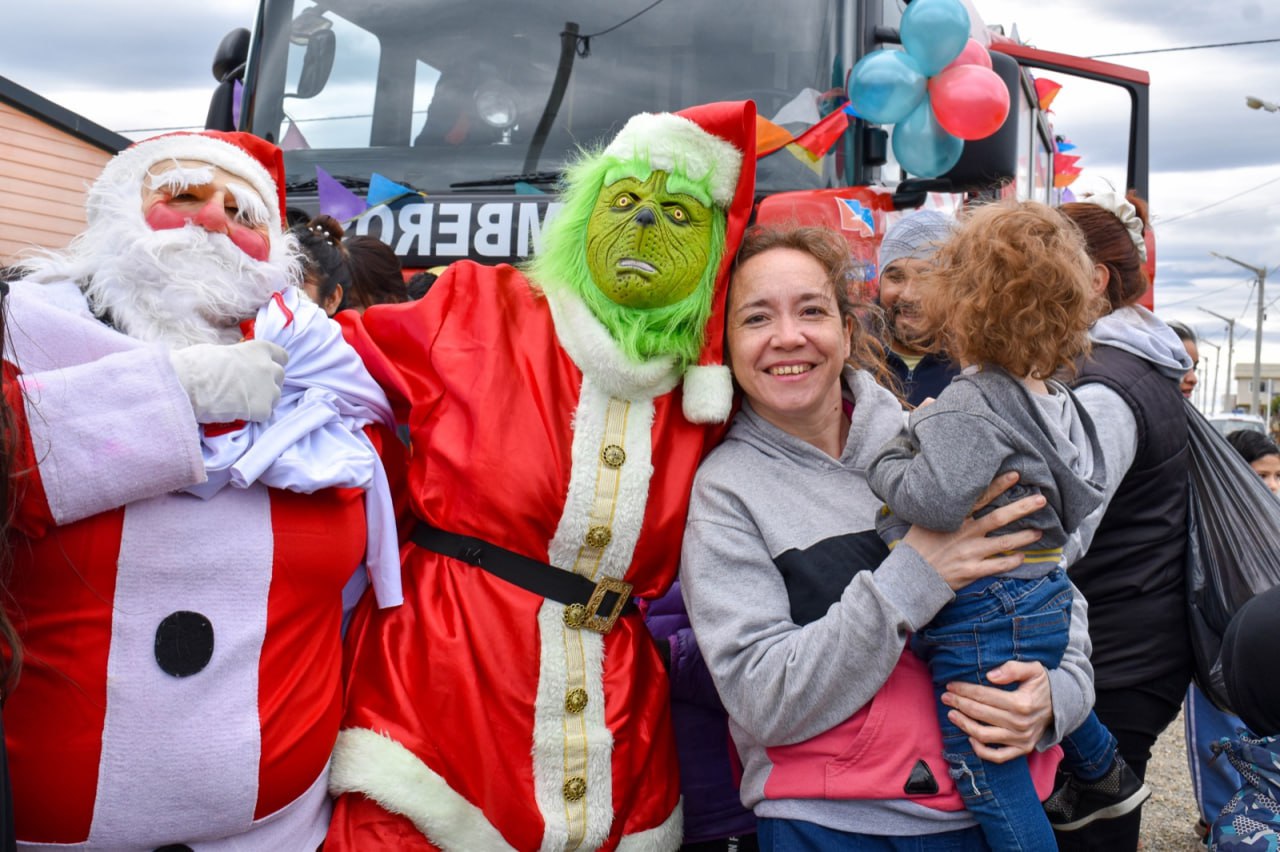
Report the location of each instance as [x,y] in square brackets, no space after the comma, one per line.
[1233,545]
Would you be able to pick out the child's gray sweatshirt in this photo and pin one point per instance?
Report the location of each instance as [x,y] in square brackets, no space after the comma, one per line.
[984,424]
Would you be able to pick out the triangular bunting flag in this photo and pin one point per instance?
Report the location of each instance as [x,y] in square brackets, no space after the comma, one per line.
[817,140]
[293,140]
[335,199]
[1046,91]
[384,190]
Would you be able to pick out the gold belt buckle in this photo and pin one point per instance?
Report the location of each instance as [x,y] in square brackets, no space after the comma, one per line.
[603,624]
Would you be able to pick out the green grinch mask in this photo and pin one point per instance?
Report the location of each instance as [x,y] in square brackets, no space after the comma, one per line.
[648,246]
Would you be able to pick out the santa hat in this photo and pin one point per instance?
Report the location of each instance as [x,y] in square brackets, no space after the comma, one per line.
[715,144]
[254,160]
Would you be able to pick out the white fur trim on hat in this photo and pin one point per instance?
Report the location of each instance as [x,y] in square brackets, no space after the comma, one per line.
[129,168]
[666,140]
[708,393]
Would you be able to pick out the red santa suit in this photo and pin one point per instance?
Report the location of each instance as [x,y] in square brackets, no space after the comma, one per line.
[181,683]
[479,717]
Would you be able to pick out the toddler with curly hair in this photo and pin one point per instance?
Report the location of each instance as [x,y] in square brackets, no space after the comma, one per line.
[1011,295]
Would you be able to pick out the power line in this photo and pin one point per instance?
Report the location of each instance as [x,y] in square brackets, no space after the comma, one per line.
[1200,295]
[1188,47]
[1162,221]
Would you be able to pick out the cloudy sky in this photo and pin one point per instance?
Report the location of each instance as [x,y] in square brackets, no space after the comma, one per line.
[136,66]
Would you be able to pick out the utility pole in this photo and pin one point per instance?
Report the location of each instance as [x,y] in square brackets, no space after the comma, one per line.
[1231,349]
[1261,274]
[1213,401]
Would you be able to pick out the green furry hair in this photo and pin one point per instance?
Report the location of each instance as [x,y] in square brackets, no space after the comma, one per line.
[561,265]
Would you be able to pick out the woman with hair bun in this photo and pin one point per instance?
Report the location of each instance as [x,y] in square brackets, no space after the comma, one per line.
[326,266]
[1134,546]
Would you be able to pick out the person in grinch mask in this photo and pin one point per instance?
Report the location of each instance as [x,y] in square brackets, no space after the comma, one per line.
[558,416]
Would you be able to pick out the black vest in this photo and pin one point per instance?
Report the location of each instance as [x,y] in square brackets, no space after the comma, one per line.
[1134,573]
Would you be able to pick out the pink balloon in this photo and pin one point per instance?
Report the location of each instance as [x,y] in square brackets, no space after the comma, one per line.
[972,54]
[969,101]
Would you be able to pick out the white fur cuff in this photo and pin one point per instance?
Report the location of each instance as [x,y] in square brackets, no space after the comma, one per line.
[666,140]
[708,394]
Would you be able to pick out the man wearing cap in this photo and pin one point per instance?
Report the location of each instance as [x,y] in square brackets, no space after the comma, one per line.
[516,700]
[905,252]
[181,541]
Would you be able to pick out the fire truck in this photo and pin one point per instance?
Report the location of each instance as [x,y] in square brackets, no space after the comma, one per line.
[470,109]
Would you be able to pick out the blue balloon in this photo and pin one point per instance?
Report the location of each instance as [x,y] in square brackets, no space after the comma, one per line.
[934,32]
[886,86]
[922,147]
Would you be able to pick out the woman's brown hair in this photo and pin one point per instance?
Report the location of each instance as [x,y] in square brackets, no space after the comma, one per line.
[376,276]
[1110,244]
[1013,287]
[832,253]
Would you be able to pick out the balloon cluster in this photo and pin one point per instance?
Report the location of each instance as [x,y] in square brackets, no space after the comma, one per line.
[937,92]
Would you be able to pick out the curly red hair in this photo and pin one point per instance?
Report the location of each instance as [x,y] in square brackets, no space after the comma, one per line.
[1013,287]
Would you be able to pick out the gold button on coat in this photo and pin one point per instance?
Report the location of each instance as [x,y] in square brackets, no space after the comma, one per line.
[599,536]
[575,700]
[575,788]
[575,615]
[613,455]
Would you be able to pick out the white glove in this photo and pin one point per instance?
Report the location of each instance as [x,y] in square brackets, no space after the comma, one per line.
[237,382]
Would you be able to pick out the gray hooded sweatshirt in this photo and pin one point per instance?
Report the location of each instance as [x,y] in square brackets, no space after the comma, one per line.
[987,423]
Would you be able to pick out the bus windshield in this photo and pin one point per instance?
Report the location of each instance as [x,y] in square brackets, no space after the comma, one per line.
[455,95]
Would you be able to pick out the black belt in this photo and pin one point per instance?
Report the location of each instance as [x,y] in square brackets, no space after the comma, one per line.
[594,606]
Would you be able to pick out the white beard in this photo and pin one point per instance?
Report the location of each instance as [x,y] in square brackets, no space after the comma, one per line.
[178,287]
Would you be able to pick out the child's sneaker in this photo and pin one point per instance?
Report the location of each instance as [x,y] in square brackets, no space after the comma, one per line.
[1076,803]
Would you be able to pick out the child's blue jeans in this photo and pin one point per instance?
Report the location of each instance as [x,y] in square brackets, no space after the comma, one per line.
[992,621]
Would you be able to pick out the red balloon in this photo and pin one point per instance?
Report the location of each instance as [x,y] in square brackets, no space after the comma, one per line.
[969,101]
[972,54]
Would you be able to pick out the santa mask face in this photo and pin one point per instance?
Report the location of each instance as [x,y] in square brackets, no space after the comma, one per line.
[178,192]
[188,265]
[648,244]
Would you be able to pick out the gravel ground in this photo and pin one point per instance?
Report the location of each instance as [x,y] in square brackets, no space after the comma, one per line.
[1169,816]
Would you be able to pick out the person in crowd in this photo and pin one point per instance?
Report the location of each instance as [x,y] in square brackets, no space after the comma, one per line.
[1189,342]
[1261,453]
[376,277]
[714,818]
[326,265]
[557,414]
[1250,820]
[802,612]
[1248,663]
[1011,293]
[1133,569]
[905,254]
[1214,781]
[178,570]
[419,283]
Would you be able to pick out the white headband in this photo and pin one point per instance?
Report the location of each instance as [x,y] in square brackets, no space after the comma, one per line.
[1123,209]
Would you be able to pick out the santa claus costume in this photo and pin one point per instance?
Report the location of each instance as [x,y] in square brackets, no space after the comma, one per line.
[181,686]
[483,715]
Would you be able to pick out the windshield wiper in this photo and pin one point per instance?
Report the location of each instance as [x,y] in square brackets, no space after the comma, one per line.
[309,184]
[509,180]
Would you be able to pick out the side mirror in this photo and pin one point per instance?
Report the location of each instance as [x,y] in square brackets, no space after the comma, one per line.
[230,57]
[317,63]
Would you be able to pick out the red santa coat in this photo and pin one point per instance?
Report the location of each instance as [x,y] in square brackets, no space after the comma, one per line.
[465,706]
[126,731]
